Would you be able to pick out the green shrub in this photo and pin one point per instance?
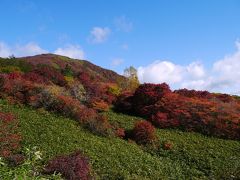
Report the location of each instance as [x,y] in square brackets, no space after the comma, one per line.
[30,168]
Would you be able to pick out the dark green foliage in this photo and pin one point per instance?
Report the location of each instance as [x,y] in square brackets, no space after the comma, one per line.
[67,71]
[21,64]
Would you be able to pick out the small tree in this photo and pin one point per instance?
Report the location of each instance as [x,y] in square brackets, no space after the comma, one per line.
[11,57]
[131,74]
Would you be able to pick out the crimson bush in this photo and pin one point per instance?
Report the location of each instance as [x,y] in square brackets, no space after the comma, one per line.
[190,110]
[72,167]
[52,74]
[144,132]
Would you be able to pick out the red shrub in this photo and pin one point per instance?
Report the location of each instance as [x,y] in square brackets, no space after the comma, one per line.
[85,114]
[120,132]
[194,93]
[67,106]
[188,110]
[73,167]
[87,117]
[84,78]
[160,120]
[9,136]
[35,78]
[167,145]
[15,159]
[52,74]
[124,102]
[20,89]
[14,75]
[140,102]
[147,94]
[99,105]
[224,98]
[144,132]
[99,126]
[100,94]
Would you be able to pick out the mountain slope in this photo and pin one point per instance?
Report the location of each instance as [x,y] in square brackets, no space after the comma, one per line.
[78,66]
[64,105]
[193,155]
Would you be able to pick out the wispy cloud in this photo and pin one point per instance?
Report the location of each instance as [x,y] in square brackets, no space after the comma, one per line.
[99,34]
[123,24]
[5,50]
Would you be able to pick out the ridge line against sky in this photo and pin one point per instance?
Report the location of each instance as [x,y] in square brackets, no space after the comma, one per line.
[186,44]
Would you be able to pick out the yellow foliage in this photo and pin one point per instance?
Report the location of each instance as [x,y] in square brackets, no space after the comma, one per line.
[55,90]
[69,79]
[114,89]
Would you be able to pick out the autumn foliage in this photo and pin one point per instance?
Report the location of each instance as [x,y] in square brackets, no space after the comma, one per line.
[80,90]
[74,166]
[144,132]
[200,111]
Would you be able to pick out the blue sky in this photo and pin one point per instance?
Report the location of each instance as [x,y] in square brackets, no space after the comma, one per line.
[186,43]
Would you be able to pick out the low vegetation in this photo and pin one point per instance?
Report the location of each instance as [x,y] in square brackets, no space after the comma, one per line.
[192,155]
[61,118]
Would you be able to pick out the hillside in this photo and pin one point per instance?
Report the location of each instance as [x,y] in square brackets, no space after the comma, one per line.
[78,66]
[193,155]
[67,116]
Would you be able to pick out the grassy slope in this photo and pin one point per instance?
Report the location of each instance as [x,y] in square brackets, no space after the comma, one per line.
[193,155]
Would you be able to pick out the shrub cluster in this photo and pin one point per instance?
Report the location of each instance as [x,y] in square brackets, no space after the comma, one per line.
[74,166]
[52,74]
[199,111]
[83,85]
[99,105]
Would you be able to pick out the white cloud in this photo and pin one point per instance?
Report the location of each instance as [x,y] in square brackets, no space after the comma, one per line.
[117,62]
[196,70]
[229,65]
[224,76]
[31,48]
[72,51]
[99,34]
[123,24]
[5,51]
[192,76]
[28,49]
[160,71]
